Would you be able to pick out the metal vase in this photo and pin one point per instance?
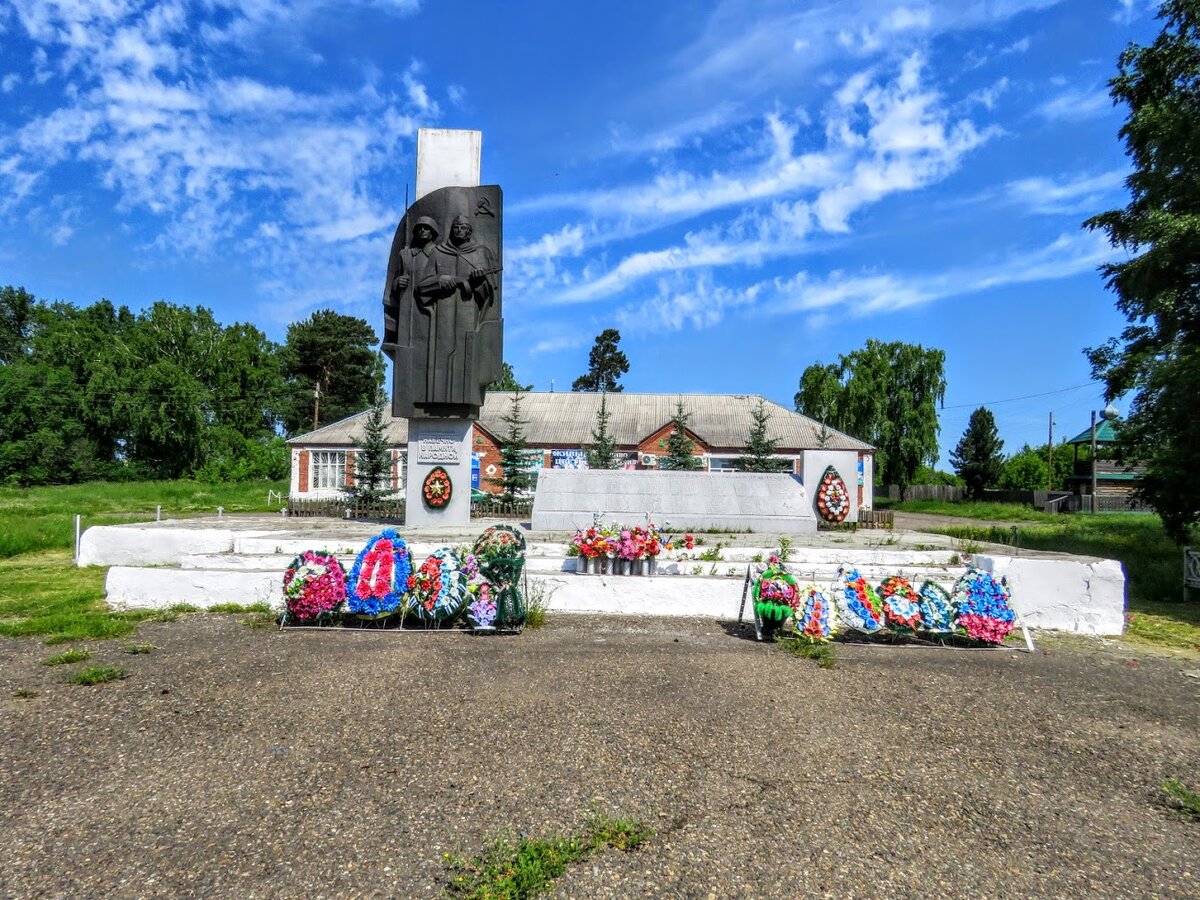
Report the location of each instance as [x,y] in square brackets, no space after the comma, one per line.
[581,564]
[652,565]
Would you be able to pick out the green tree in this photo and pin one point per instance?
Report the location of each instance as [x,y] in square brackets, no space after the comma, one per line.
[507,382]
[602,452]
[16,322]
[1157,356]
[885,394]
[605,365]
[194,385]
[1024,471]
[930,475]
[332,354]
[978,459]
[373,454]
[515,476]
[759,453]
[680,448]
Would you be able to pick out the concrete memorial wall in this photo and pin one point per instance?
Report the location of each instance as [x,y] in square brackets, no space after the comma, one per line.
[567,499]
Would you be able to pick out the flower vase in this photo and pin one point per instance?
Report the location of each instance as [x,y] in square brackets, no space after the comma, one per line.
[610,565]
[626,566]
[593,565]
[581,566]
[652,565]
[635,566]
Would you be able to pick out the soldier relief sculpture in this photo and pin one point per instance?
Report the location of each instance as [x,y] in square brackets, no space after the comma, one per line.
[442,317]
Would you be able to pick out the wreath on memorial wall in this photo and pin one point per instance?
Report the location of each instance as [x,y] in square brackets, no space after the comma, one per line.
[437,488]
[380,575]
[815,619]
[833,500]
[981,606]
[858,603]
[937,612]
[439,588]
[901,605]
[313,585]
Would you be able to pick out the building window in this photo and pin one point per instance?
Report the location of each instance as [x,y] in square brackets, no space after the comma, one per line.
[723,463]
[328,470]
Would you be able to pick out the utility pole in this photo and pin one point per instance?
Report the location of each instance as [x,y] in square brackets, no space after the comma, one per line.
[316,404]
[1050,464]
[1094,461]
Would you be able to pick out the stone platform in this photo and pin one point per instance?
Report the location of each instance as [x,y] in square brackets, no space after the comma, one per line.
[241,559]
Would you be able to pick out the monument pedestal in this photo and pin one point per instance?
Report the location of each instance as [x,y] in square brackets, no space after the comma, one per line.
[432,444]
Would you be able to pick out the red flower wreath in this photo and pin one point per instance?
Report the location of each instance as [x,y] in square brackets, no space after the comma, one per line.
[437,488]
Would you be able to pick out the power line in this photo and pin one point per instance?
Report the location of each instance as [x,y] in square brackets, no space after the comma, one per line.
[1026,397]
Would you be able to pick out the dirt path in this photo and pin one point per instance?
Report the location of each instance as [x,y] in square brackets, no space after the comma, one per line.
[238,762]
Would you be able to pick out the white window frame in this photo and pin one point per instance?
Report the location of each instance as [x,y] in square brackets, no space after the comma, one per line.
[327,471]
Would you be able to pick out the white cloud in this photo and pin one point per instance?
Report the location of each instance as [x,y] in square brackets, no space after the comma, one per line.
[1076,104]
[210,149]
[881,137]
[1070,195]
[872,293]
[987,97]
[682,300]
[697,301]
[555,344]
[751,50]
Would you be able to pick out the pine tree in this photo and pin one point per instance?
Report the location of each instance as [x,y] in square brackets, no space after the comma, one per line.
[373,456]
[605,365]
[602,453]
[515,478]
[977,458]
[759,452]
[679,446]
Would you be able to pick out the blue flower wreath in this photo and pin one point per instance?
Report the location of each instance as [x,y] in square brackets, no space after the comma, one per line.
[372,605]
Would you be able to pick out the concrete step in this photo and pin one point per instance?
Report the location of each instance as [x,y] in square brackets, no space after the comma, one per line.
[803,568]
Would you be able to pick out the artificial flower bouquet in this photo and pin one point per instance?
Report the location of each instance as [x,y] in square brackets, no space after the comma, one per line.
[314,585]
[815,618]
[901,605]
[859,606]
[379,578]
[981,606]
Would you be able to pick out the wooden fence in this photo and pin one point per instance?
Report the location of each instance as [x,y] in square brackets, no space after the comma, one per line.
[501,509]
[876,518]
[922,492]
[346,509]
[393,510]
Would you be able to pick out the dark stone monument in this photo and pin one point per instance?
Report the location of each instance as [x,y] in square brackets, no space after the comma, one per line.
[442,313]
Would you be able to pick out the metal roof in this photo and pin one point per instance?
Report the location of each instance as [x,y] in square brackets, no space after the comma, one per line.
[722,421]
[1106,433]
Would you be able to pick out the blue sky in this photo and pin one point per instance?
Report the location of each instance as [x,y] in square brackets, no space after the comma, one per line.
[742,188]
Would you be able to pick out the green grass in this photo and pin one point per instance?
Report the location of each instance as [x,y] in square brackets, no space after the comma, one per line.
[525,867]
[67,657]
[97,675]
[43,518]
[971,509]
[138,647]
[44,594]
[807,648]
[1179,796]
[234,608]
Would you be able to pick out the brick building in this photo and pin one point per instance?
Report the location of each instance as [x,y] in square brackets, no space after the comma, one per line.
[559,426]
